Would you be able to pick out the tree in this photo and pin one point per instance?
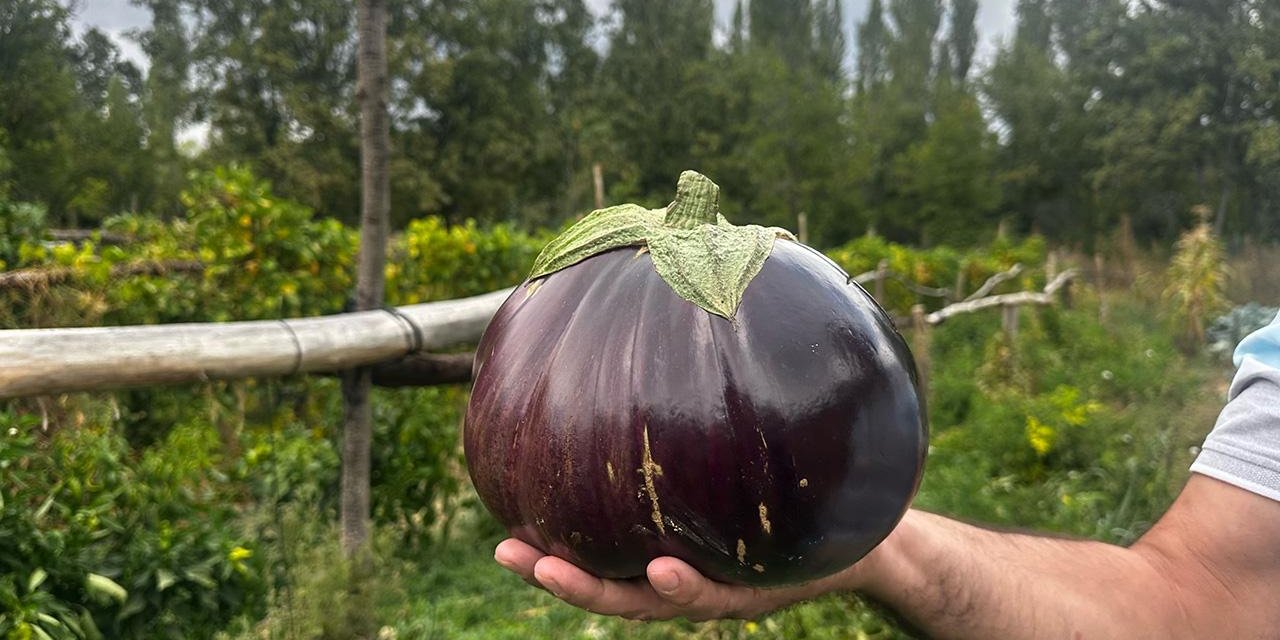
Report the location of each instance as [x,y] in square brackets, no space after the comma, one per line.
[1040,112]
[962,37]
[946,187]
[38,126]
[375,204]
[504,91]
[656,83]
[167,97]
[276,81]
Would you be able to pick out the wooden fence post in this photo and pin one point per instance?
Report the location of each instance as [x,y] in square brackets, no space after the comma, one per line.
[597,179]
[920,346]
[1009,320]
[882,274]
[802,227]
[1100,281]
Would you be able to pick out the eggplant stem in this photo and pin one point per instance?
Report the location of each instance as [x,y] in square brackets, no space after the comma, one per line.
[697,202]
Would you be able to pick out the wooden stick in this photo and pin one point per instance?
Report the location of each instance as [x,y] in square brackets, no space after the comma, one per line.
[597,181]
[1019,298]
[46,277]
[995,281]
[47,361]
[81,235]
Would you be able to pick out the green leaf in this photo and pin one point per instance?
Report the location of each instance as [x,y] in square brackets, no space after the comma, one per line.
[105,587]
[705,259]
[165,579]
[711,265]
[200,577]
[600,231]
[134,607]
[37,578]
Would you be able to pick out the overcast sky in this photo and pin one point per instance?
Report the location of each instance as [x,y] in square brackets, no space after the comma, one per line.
[117,17]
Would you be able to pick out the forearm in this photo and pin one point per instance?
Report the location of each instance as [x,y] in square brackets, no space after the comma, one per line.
[954,580]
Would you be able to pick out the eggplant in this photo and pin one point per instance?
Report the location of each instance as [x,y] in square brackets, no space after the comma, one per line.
[619,414]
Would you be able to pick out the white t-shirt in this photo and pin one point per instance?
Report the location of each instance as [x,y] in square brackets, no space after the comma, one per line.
[1244,447]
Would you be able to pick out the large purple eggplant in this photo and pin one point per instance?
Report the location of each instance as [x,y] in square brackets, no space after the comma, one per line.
[691,388]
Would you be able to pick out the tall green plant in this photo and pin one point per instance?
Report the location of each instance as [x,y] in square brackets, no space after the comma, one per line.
[1196,282]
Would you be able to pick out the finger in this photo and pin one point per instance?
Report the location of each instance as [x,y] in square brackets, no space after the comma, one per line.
[519,558]
[629,599]
[701,598]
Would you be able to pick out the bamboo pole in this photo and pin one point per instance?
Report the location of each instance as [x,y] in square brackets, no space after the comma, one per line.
[47,361]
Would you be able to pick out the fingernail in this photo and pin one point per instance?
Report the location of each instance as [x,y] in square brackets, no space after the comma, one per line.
[665,581]
[551,586]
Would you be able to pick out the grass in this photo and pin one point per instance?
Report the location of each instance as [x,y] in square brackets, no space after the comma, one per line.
[461,594]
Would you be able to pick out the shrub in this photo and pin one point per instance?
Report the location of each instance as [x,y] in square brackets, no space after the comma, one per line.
[98,540]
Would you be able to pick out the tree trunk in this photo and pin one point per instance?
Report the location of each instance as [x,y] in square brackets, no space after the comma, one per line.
[371,93]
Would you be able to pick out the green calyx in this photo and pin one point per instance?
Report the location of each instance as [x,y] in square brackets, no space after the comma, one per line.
[706,260]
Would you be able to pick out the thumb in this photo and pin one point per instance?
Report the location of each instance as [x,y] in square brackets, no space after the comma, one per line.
[700,598]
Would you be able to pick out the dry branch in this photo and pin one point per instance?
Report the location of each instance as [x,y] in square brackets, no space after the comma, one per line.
[47,361]
[1004,299]
[995,281]
[47,277]
[81,235]
[880,274]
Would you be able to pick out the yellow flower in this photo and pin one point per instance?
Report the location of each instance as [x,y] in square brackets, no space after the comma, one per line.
[239,554]
[1040,436]
[751,627]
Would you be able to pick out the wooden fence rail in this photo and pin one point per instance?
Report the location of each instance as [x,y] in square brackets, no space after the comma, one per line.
[49,361]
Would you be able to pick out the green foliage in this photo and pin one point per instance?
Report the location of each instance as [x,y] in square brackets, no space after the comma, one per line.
[939,267]
[96,540]
[326,597]
[140,489]
[1071,427]
[21,223]
[1196,282]
[253,241]
[433,261]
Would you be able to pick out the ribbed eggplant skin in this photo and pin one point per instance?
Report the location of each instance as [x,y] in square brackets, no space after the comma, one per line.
[613,422]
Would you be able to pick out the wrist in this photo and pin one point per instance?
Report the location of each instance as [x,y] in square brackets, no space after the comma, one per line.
[887,565]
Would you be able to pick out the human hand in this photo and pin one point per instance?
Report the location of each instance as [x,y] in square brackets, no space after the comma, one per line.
[670,589]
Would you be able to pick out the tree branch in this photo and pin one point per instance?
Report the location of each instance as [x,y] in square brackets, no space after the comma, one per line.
[994,281]
[1019,298]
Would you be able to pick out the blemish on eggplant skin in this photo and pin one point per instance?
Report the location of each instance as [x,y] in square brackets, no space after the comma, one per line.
[758,567]
[765,525]
[608,467]
[650,469]
[742,551]
[804,482]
